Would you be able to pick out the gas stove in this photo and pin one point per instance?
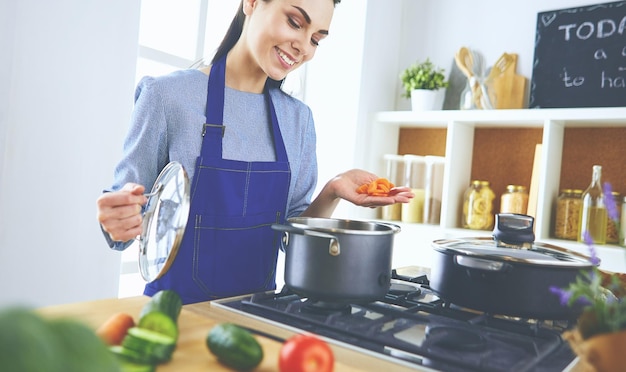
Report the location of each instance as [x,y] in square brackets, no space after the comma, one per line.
[415,327]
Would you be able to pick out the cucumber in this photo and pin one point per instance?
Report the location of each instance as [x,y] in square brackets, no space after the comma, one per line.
[125,354]
[234,346]
[167,302]
[131,360]
[136,367]
[159,322]
[156,347]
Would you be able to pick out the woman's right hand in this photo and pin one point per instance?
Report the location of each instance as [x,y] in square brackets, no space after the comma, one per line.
[119,212]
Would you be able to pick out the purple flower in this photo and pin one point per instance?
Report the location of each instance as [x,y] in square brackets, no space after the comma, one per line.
[563,294]
[584,301]
[593,254]
[611,207]
[587,238]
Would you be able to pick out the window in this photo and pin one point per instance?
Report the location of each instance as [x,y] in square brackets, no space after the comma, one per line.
[175,34]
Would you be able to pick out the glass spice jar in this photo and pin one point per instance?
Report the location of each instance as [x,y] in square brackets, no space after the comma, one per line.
[612,228]
[478,206]
[514,199]
[568,207]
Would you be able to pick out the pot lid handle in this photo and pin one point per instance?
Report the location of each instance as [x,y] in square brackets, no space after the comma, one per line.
[514,229]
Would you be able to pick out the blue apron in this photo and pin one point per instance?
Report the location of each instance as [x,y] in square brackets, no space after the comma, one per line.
[228,247]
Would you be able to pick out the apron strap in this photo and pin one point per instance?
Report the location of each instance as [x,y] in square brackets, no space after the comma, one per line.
[213,129]
[279,145]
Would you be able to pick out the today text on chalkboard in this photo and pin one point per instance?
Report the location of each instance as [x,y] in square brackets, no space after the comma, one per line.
[580,57]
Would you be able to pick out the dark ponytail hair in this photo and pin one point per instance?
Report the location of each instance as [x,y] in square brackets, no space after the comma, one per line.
[233,34]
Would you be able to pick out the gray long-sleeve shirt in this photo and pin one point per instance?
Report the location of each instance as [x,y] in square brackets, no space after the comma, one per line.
[167,123]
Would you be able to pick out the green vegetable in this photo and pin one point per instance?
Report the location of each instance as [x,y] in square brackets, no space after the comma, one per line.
[156,347]
[234,346]
[125,354]
[137,367]
[167,302]
[159,322]
[161,313]
[30,343]
[83,349]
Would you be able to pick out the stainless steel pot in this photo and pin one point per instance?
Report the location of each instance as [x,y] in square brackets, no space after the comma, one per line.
[337,261]
[506,274]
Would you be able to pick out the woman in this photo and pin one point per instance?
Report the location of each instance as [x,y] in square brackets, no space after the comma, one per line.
[248,147]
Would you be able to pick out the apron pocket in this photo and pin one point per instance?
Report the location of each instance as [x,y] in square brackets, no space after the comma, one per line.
[235,256]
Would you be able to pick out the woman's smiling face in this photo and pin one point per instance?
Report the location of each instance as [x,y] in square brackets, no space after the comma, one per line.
[283,34]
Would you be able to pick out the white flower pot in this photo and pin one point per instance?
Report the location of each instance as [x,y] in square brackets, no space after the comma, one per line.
[427,100]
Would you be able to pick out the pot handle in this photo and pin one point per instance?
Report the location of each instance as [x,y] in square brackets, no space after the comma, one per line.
[333,246]
[479,263]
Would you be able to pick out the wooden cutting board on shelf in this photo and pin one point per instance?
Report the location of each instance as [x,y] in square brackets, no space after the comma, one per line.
[510,87]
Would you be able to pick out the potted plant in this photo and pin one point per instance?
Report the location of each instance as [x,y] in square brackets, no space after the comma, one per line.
[599,338]
[424,83]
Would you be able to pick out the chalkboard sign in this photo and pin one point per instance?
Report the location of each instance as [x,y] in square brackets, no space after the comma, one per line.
[580,57]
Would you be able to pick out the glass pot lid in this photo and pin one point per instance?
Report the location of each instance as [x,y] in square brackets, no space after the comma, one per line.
[164,221]
[488,249]
[513,241]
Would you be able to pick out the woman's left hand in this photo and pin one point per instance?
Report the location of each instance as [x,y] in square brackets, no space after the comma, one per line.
[346,185]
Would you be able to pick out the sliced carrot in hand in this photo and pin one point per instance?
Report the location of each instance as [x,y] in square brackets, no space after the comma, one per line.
[113,330]
[362,189]
[378,187]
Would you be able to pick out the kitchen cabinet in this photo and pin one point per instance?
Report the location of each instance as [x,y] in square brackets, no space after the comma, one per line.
[499,146]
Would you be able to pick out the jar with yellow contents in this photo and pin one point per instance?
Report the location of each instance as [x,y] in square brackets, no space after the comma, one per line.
[478,206]
[568,206]
[514,199]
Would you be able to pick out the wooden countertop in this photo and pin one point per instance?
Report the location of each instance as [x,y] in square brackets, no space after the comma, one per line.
[195,321]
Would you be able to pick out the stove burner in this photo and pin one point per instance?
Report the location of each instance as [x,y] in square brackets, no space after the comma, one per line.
[399,289]
[455,338]
[420,329]
[325,308]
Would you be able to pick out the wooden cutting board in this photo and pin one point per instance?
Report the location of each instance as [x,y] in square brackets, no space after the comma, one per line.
[191,352]
[510,87]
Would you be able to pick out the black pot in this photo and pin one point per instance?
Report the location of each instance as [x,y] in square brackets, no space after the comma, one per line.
[337,261]
[508,278]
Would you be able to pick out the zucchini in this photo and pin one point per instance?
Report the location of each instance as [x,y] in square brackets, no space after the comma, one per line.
[156,347]
[136,367]
[167,302]
[159,322]
[234,346]
[125,354]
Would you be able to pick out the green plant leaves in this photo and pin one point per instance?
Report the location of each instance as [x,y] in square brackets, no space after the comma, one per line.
[422,75]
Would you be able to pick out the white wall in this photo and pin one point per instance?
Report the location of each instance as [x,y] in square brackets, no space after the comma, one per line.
[333,81]
[65,100]
[347,81]
[437,29]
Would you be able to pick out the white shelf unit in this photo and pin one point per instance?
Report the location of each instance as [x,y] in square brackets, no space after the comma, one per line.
[460,126]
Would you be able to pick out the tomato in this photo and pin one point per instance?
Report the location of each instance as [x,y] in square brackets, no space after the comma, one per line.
[305,353]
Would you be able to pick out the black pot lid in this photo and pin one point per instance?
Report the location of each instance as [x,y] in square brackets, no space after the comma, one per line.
[164,221]
[536,254]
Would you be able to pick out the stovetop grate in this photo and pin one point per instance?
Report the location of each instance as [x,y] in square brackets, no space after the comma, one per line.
[419,327]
